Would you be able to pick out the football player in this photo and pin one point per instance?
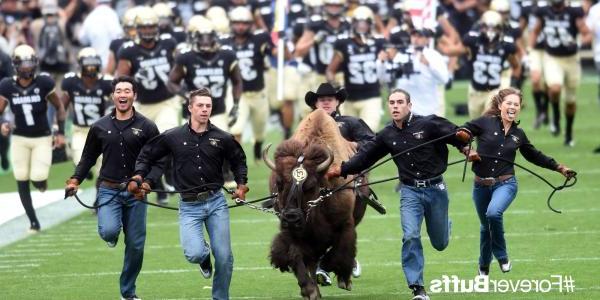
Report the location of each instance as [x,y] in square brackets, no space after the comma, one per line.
[488,49]
[88,92]
[356,55]
[561,23]
[206,64]
[28,95]
[166,22]
[128,24]
[251,48]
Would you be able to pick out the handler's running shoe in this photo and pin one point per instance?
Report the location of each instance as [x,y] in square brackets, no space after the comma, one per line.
[505,265]
[356,269]
[206,265]
[323,278]
[483,271]
[134,297]
[419,293]
[113,243]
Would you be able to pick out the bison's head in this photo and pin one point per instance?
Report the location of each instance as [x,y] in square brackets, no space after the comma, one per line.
[297,176]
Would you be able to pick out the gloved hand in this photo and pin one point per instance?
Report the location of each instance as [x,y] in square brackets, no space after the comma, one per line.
[464,135]
[138,188]
[72,187]
[565,171]
[334,171]
[233,114]
[239,195]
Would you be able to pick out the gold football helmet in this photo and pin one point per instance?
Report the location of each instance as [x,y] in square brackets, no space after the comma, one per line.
[25,61]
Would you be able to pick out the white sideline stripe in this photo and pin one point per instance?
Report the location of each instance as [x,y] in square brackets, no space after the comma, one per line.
[27,255]
[49,245]
[19,266]
[267,243]
[10,206]
[266,268]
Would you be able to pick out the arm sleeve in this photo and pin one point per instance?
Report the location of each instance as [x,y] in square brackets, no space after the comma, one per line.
[443,127]
[156,169]
[91,152]
[362,133]
[475,126]
[151,153]
[237,160]
[437,66]
[536,156]
[366,157]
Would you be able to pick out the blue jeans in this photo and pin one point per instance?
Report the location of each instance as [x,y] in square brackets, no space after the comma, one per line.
[430,203]
[127,212]
[490,203]
[214,214]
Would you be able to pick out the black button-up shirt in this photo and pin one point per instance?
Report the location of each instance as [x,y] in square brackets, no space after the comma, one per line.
[491,140]
[197,157]
[426,162]
[354,129]
[119,142]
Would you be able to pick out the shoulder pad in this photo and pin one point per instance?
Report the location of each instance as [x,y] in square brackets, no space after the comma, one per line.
[343,36]
[69,75]
[44,74]
[107,77]
[316,18]
[474,33]
[127,44]
[226,47]
[575,4]
[526,3]
[165,36]
[508,39]
[178,29]
[184,48]
[513,24]
[542,4]
[259,31]
[378,36]
[395,29]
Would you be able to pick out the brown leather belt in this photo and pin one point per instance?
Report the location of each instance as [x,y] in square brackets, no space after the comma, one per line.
[489,181]
[110,184]
[198,197]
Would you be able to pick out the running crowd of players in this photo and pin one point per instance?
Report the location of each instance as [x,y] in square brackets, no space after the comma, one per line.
[66,52]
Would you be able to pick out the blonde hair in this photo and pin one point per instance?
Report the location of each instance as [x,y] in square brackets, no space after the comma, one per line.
[499,97]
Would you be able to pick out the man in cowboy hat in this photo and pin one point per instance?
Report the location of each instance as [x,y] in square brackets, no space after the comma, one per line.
[357,132]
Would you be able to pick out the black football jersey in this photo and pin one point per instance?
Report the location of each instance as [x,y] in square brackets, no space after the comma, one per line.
[487,59]
[116,44]
[212,73]
[528,9]
[29,104]
[177,33]
[251,59]
[150,68]
[89,104]
[560,29]
[320,55]
[358,65]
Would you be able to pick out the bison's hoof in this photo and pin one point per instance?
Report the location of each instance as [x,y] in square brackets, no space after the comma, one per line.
[313,295]
[346,285]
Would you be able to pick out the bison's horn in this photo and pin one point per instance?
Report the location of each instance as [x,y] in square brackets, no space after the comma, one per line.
[324,165]
[266,159]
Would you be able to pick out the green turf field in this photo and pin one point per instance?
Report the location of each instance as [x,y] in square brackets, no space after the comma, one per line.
[70,261]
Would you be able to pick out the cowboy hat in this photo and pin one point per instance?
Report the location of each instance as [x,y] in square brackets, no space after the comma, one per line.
[325,89]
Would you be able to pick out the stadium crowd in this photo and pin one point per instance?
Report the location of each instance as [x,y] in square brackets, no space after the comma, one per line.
[66,53]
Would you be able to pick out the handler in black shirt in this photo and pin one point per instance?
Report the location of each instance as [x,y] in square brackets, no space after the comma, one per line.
[199,150]
[119,137]
[495,184]
[423,191]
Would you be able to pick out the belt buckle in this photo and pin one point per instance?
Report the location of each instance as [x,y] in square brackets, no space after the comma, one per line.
[420,183]
[490,180]
[202,196]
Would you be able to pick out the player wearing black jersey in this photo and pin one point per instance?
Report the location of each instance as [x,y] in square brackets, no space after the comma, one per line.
[149,60]
[128,24]
[205,63]
[31,147]
[512,29]
[166,23]
[355,55]
[535,58]
[561,23]
[316,43]
[88,93]
[488,49]
[251,48]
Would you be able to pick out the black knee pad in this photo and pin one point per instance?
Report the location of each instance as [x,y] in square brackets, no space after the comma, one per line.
[42,186]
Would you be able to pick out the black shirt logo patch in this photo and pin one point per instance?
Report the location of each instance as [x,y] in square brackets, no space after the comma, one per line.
[214,142]
[515,138]
[136,131]
[418,135]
